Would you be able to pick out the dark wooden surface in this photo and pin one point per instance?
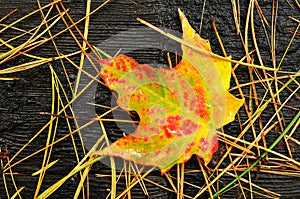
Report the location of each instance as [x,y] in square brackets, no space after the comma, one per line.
[22,100]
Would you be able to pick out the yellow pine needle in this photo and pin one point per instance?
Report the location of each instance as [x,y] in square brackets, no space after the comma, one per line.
[8,78]
[45,168]
[17,194]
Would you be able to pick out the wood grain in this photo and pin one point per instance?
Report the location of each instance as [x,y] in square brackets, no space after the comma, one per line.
[22,100]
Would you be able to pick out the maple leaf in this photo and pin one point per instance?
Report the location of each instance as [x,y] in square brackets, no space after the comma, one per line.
[180,109]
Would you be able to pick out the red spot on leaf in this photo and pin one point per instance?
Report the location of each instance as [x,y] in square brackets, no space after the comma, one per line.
[215,144]
[121,81]
[168,151]
[189,127]
[139,75]
[149,73]
[146,138]
[118,66]
[157,152]
[203,144]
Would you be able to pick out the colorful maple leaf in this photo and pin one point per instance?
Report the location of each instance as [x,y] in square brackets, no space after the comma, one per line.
[180,109]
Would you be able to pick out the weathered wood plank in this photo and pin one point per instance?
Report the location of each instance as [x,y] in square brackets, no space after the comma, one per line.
[21,101]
